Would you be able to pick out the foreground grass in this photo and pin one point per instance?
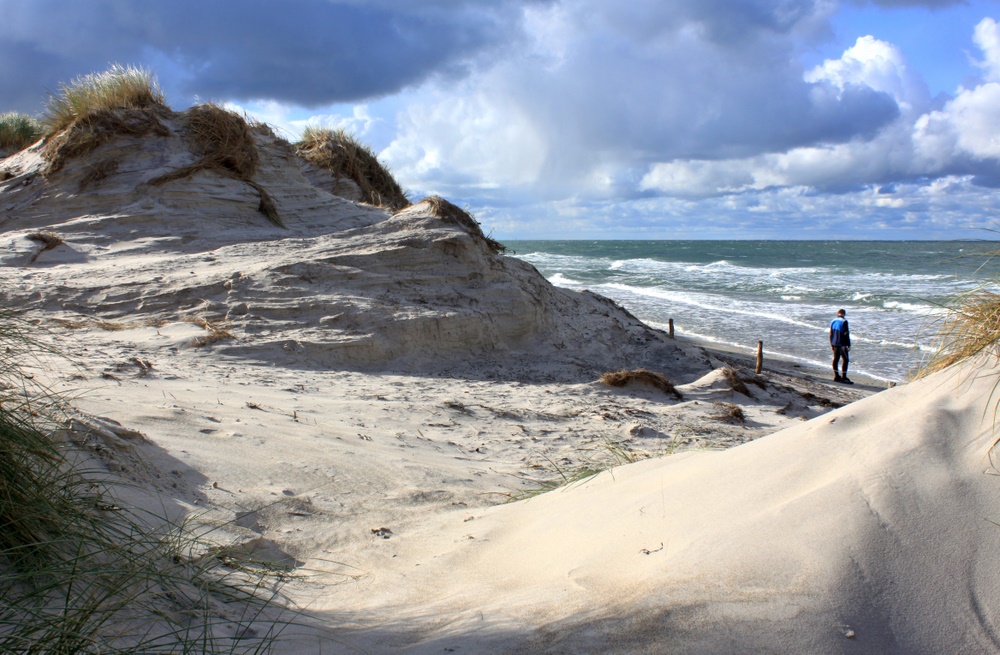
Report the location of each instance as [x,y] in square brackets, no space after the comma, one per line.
[970,329]
[81,573]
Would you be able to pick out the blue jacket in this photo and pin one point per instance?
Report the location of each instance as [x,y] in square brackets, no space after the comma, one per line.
[840,333]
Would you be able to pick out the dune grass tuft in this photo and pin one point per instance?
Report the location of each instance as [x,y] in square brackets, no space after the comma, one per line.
[93,108]
[645,376]
[225,141]
[18,131]
[48,240]
[970,329]
[737,381]
[214,332]
[119,87]
[451,213]
[731,413]
[344,156]
[80,572]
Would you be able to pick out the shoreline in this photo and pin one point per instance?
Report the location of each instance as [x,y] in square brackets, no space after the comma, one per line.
[788,366]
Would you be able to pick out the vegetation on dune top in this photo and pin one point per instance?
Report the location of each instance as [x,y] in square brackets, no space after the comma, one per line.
[119,87]
[344,156]
[451,213]
[225,141]
[93,108]
[18,131]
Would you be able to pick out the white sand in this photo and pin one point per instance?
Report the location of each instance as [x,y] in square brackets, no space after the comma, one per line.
[387,382]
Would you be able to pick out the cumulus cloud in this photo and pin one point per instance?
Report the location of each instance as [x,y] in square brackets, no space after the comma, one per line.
[601,90]
[957,141]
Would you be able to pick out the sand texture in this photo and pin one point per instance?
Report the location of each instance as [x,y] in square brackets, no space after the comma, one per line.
[363,396]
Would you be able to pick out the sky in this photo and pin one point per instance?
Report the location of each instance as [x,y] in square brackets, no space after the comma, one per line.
[591,119]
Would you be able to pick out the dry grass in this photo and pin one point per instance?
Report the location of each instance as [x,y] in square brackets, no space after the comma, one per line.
[119,87]
[214,332]
[93,108]
[652,378]
[344,156]
[451,213]
[18,131]
[731,413]
[226,144]
[49,240]
[737,381]
[971,329]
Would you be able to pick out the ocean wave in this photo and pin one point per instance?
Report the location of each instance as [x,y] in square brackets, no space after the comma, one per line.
[725,305]
[561,280]
[912,308]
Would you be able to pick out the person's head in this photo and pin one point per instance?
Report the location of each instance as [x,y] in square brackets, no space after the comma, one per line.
[841,312]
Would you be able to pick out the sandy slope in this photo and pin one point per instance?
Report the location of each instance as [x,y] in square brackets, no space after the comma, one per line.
[356,394]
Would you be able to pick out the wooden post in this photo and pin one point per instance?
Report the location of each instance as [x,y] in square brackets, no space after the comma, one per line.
[760,357]
[670,327]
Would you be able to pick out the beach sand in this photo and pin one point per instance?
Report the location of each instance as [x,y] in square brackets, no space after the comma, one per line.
[373,400]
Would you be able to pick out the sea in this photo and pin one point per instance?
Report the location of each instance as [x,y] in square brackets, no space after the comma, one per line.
[784,293]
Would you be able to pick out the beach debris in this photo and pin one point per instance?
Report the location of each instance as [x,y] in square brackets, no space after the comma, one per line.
[385,533]
[647,551]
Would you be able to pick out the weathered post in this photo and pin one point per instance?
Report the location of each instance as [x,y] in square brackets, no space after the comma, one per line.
[670,327]
[760,357]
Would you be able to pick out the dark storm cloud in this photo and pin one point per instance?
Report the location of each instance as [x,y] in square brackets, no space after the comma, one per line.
[307,52]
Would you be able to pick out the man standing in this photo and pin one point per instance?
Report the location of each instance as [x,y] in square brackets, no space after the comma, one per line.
[840,342]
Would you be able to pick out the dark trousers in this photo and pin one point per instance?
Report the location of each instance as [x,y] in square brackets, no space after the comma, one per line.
[841,353]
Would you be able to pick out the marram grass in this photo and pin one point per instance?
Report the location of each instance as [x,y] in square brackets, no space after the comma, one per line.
[119,87]
[344,156]
[18,131]
[970,329]
[92,109]
[80,573]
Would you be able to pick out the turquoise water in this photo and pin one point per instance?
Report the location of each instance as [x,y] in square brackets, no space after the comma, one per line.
[782,292]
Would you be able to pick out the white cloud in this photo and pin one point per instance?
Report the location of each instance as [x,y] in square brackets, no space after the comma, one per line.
[597,92]
[466,141]
[987,37]
[877,65]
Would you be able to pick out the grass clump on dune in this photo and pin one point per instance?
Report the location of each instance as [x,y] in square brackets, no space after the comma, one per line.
[645,376]
[119,87]
[80,572]
[91,109]
[226,144]
[970,329]
[18,131]
[451,213]
[344,156]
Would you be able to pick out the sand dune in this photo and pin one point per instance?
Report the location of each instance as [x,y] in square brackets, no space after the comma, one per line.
[357,394]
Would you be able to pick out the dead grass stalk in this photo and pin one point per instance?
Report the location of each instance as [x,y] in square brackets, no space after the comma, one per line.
[49,240]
